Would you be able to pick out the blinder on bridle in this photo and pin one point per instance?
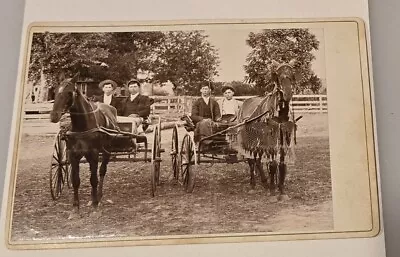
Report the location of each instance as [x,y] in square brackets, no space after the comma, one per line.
[74,94]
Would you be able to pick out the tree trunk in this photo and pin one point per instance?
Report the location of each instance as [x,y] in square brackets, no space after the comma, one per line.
[28,92]
[43,88]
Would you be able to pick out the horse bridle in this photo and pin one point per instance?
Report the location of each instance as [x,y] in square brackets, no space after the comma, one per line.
[74,95]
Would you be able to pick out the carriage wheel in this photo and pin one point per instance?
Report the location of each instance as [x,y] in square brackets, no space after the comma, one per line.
[155,161]
[59,168]
[187,156]
[174,153]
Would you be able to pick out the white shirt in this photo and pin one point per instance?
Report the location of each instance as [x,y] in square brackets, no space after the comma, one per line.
[229,106]
[107,99]
[206,100]
[134,96]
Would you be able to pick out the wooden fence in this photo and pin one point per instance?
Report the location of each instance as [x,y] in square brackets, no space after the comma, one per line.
[183,104]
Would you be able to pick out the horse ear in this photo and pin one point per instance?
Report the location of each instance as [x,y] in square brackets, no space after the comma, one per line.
[274,77]
[61,76]
[297,75]
[275,63]
[75,77]
[292,62]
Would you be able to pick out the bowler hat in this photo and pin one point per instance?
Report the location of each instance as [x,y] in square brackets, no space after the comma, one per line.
[210,85]
[108,81]
[226,88]
[133,81]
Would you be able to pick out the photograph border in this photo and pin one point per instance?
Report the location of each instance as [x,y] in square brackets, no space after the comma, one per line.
[367,85]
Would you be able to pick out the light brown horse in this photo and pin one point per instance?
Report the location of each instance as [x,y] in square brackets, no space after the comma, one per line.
[270,136]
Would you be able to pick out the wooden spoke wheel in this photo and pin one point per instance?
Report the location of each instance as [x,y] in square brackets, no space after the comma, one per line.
[155,160]
[174,153]
[59,168]
[187,160]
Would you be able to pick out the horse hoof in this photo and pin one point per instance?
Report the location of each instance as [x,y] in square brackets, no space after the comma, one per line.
[283,198]
[252,192]
[89,203]
[273,199]
[74,215]
[95,215]
[100,196]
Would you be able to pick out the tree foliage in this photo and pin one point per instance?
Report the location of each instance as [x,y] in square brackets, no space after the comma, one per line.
[185,58]
[282,45]
[241,88]
[66,53]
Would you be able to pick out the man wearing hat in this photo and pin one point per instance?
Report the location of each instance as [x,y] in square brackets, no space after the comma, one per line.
[205,111]
[108,86]
[136,106]
[229,107]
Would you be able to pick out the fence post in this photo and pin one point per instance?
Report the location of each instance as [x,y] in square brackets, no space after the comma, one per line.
[321,109]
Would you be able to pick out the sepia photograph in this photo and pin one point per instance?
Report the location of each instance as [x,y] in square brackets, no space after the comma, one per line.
[173,132]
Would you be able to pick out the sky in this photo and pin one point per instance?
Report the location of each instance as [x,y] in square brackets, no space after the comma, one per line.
[232,48]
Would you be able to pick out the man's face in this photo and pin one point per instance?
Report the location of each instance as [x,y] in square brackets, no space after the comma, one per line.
[133,88]
[107,89]
[228,94]
[205,91]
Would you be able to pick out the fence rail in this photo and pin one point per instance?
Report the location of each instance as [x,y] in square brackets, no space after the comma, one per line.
[299,103]
[183,104]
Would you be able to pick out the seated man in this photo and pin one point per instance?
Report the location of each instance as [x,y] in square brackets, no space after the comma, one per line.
[205,111]
[108,86]
[229,107]
[136,106]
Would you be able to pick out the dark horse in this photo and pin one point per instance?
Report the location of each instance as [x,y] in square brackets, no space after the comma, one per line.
[86,137]
[271,135]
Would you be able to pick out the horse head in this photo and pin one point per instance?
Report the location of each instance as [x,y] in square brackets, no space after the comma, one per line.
[284,78]
[64,98]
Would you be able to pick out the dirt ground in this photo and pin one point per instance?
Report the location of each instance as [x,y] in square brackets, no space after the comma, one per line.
[222,201]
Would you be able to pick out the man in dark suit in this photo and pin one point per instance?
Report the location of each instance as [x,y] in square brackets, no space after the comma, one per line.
[136,106]
[108,86]
[205,111]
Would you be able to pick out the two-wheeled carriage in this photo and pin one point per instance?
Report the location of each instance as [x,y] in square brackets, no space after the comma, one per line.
[215,148]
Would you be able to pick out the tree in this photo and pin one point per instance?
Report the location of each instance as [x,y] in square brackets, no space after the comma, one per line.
[57,54]
[314,84]
[130,52]
[186,59]
[281,45]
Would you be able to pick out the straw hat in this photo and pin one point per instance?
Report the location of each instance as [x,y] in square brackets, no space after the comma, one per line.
[108,81]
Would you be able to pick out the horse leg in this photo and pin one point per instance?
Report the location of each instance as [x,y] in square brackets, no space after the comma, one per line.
[272,168]
[93,159]
[103,171]
[76,181]
[282,175]
[259,168]
[251,163]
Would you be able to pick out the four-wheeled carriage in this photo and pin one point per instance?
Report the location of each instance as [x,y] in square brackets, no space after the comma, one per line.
[124,146]
[219,147]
